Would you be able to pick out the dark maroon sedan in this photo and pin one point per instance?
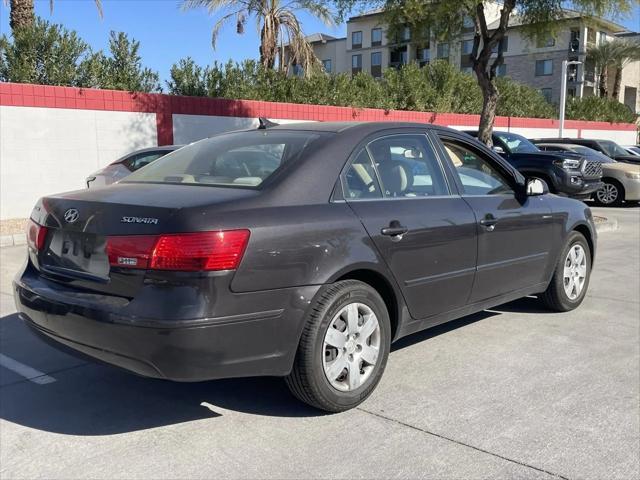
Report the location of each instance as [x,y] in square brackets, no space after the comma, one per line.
[299,251]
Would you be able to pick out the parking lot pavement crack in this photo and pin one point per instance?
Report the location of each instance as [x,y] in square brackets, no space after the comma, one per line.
[458,442]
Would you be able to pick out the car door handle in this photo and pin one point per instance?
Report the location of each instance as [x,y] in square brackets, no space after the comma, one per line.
[394,230]
[489,222]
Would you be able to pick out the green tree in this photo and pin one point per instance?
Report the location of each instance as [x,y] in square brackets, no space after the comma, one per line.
[22,12]
[277,23]
[123,69]
[446,19]
[46,54]
[187,78]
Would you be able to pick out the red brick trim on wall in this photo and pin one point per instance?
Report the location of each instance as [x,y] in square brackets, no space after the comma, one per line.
[165,106]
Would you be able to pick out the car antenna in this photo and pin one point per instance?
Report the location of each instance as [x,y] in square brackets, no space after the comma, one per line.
[266,123]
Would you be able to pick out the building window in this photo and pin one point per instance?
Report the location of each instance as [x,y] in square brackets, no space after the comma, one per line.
[545,41]
[505,45]
[467,70]
[399,56]
[376,64]
[356,64]
[501,71]
[468,22]
[356,39]
[603,38]
[423,55]
[467,47]
[546,93]
[544,67]
[376,37]
[326,64]
[443,51]
[405,35]
[574,42]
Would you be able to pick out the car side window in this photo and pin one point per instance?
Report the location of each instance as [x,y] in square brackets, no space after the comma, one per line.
[407,166]
[361,181]
[477,174]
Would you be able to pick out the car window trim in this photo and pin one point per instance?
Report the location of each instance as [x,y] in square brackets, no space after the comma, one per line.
[368,141]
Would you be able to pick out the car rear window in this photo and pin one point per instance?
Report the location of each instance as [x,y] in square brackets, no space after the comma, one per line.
[240,159]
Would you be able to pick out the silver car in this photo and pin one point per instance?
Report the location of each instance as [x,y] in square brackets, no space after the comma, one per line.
[125,165]
[621,180]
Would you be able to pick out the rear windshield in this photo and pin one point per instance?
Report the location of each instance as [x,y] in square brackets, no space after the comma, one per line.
[241,159]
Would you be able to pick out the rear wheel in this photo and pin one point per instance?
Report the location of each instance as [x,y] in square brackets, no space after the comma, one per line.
[611,194]
[570,280]
[343,349]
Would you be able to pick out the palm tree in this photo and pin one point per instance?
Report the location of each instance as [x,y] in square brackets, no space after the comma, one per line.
[603,56]
[22,13]
[277,23]
[628,52]
[616,54]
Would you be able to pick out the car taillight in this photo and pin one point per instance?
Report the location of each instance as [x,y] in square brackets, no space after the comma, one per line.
[36,235]
[220,250]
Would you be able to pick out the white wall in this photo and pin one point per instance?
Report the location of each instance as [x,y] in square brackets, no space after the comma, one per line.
[51,150]
[189,128]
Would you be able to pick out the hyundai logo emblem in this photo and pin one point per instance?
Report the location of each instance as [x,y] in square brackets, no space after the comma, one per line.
[71,215]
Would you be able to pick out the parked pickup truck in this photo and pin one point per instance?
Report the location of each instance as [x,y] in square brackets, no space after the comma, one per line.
[565,173]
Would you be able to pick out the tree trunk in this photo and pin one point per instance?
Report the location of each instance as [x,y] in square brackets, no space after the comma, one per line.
[603,82]
[268,48]
[489,105]
[617,82]
[21,14]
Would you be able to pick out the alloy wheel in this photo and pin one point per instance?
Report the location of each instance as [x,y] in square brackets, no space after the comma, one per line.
[351,347]
[608,193]
[575,271]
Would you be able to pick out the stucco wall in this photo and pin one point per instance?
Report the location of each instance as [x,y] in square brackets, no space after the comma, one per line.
[46,150]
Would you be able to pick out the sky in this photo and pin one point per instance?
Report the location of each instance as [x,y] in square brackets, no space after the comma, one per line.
[166,33]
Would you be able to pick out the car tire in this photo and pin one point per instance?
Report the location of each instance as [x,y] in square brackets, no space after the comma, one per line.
[321,353]
[571,269]
[611,194]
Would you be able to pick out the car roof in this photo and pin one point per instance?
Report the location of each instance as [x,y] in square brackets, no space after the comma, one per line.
[340,127]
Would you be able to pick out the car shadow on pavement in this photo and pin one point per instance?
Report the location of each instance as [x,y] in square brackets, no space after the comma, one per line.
[93,399]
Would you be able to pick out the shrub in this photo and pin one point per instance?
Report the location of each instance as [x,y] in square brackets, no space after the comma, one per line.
[601,109]
[49,54]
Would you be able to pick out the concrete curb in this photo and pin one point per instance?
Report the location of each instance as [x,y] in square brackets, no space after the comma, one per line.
[602,225]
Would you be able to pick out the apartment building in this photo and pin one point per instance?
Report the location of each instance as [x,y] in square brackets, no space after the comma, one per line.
[535,62]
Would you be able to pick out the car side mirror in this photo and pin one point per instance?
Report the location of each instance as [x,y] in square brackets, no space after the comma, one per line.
[499,150]
[536,186]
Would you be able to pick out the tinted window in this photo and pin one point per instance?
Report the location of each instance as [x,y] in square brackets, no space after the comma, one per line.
[361,180]
[516,143]
[243,159]
[407,166]
[612,149]
[477,175]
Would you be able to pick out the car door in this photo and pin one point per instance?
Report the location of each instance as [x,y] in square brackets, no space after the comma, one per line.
[397,187]
[515,231]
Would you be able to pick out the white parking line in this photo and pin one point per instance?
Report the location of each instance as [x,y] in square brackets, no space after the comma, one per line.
[31,374]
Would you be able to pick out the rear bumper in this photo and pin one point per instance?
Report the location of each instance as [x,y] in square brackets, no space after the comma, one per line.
[256,343]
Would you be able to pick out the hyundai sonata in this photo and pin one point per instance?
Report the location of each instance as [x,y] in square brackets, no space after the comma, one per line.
[300,251]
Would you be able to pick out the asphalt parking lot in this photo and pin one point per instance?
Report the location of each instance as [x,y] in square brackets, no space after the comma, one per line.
[514,392]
